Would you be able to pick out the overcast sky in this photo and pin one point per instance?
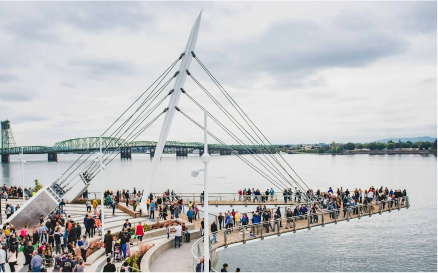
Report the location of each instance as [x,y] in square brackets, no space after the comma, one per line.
[304,72]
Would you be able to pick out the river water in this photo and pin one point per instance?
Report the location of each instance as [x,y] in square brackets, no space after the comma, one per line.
[404,240]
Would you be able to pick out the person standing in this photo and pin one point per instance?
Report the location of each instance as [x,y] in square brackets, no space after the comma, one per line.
[214,232]
[139,231]
[95,204]
[178,240]
[28,251]
[108,241]
[79,267]
[127,198]
[88,204]
[221,220]
[3,259]
[190,215]
[202,227]
[109,267]
[152,210]
[84,248]
[36,262]
[12,258]
[67,264]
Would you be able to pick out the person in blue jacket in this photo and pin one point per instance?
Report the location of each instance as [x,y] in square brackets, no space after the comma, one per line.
[190,215]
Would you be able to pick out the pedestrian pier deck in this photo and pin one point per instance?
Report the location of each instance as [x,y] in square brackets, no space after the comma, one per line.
[242,234]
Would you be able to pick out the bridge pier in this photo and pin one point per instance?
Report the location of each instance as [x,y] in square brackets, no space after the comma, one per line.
[6,158]
[125,153]
[152,152]
[52,157]
[224,152]
[181,152]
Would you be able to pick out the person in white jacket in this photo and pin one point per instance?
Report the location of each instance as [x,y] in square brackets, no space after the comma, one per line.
[2,259]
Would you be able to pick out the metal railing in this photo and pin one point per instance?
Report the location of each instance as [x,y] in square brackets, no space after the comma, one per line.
[236,199]
[250,231]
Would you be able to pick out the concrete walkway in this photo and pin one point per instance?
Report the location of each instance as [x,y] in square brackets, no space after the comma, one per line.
[175,259]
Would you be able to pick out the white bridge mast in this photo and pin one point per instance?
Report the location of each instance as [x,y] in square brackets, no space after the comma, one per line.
[179,83]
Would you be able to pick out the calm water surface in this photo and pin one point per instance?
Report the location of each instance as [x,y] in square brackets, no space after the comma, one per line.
[404,240]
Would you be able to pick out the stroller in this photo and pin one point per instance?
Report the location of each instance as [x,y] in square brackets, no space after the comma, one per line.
[59,258]
[48,260]
[117,253]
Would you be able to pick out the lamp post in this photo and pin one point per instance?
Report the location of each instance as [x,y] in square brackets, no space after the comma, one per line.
[102,167]
[21,157]
[205,159]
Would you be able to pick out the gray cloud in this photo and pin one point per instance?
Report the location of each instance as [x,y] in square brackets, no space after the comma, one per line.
[293,51]
[13,94]
[102,68]
[41,25]
[7,77]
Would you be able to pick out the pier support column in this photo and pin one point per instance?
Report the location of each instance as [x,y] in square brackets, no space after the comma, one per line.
[224,152]
[51,157]
[125,153]
[152,152]
[6,158]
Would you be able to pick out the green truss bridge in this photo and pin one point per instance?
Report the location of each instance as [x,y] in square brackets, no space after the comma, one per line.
[91,144]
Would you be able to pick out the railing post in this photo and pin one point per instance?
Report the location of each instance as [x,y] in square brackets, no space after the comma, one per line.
[294,222]
[246,200]
[380,208]
[231,202]
[278,226]
[225,238]
[243,235]
[348,214]
[308,219]
[322,219]
[336,216]
[369,208]
[263,227]
[358,211]
[389,207]
[216,201]
[398,203]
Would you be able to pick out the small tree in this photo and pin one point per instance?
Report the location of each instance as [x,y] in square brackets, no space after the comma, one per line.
[38,186]
[391,146]
[381,146]
[349,146]
[359,146]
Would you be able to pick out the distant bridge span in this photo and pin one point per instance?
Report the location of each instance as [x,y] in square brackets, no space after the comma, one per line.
[91,144]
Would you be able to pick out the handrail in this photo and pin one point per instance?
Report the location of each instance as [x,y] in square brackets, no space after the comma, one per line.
[319,220]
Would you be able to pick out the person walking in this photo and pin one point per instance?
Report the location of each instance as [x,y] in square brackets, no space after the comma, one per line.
[95,204]
[12,258]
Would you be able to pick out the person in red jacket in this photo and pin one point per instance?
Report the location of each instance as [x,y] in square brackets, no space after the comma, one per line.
[139,231]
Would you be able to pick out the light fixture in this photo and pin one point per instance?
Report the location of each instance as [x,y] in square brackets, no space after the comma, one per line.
[196,171]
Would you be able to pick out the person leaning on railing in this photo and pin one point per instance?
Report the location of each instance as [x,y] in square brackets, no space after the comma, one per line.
[200,265]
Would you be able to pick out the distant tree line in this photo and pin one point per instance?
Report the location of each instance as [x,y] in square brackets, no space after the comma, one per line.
[391,145]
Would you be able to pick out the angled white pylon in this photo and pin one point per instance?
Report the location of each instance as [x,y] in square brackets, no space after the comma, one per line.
[179,83]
